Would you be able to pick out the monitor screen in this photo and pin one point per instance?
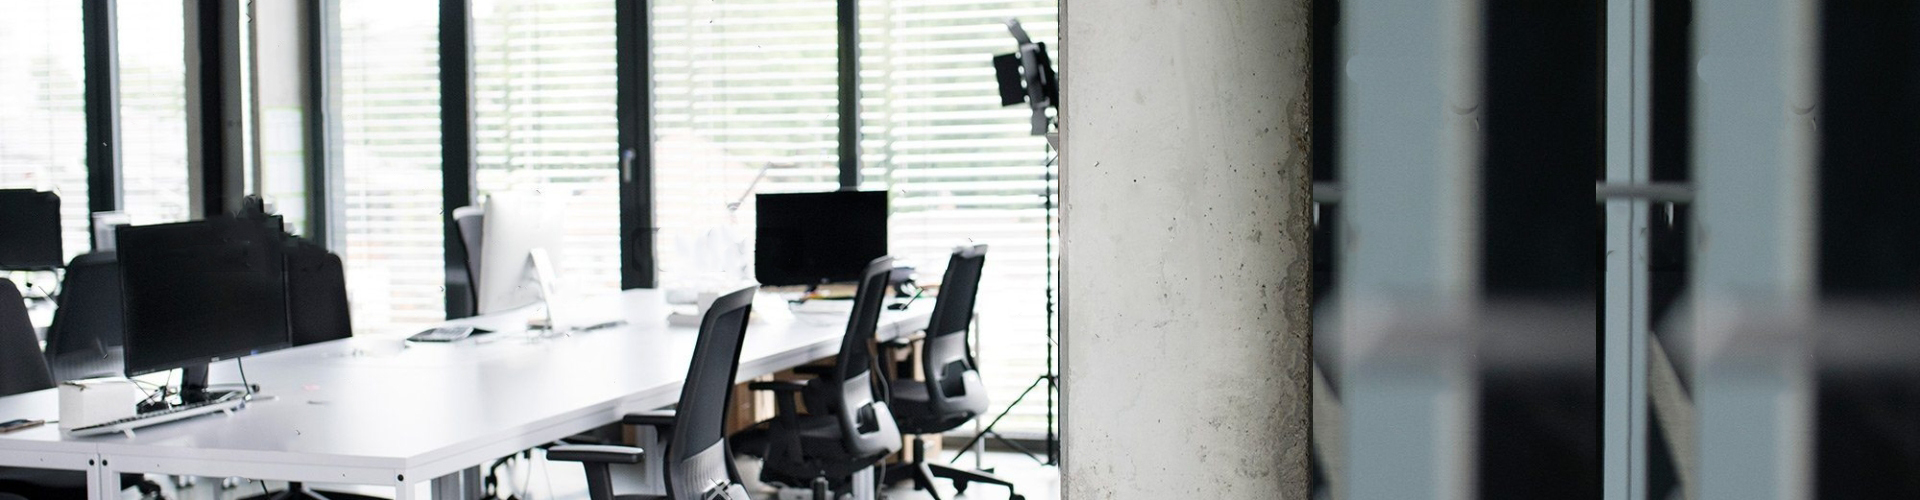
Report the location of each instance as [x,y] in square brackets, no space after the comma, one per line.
[29,229]
[201,291]
[812,238]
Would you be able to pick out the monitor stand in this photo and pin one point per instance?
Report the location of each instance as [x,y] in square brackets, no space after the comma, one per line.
[193,389]
[193,384]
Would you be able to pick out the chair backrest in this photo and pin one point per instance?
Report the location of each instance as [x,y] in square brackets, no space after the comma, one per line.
[88,319]
[954,387]
[22,366]
[470,221]
[317,309]
[697,456]
[867,424]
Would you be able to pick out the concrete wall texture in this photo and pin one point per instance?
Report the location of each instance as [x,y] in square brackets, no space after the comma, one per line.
[1185,224]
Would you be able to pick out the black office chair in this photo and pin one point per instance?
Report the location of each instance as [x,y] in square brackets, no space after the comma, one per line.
[86,326]
[469,221]
[317,294]
[23,369]
[697,463]
[318,312]
[952,392]
[847,428]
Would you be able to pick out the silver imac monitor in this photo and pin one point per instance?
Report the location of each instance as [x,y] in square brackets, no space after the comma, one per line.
[518,227]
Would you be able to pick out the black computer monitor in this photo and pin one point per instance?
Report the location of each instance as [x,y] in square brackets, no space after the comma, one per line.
[29,229]
[202,291]
[814,238]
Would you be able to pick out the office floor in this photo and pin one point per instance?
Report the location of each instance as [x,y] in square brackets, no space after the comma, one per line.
[564,481]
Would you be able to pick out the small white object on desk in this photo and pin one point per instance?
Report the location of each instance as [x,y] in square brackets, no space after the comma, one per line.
[97,400]
[701,302]
[822,306]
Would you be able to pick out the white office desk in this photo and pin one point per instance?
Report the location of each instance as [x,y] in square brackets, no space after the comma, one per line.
[376,411]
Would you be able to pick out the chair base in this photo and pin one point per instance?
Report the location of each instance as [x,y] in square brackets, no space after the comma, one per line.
[299,491]
[925,474]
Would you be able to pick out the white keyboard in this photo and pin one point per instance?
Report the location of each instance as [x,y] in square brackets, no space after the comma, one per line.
[228,402]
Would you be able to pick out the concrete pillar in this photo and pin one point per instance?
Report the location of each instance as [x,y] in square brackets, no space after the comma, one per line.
[1185,191]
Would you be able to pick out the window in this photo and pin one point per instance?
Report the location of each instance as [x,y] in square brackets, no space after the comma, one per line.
[43,124]
[544,120]
[153,111]
[390,122]
[964,169]
[738,85]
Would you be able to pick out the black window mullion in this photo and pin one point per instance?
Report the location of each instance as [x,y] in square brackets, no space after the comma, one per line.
[456,136]
[100,34]
[216,152]
[634,105]
[325,176]
[848,28]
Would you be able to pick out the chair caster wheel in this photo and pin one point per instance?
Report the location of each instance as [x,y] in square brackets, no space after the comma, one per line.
[959,487]
[820,490]
[1016,497]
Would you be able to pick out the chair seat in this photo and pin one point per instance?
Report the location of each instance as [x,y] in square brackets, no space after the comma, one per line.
[820,435]
[913,414]
[908,392]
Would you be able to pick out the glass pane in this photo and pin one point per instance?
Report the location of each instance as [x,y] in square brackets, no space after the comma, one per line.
[153,111]
[544,106]
[738,85]
[963,169]
[43,124]
[390,124]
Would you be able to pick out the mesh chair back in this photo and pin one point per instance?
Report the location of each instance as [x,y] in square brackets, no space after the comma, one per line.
[868,300]
[470,222]
[953,311]
[954,387]
[316,295]
[867,424]
[22,367]
[88,319]
[697,452]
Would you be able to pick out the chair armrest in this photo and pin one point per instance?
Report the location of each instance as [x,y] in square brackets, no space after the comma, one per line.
[595,453]
[786,408]
[662,418]
[777,386]
[814,370]
[906,340]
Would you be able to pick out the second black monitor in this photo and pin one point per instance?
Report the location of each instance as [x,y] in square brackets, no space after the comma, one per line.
[814,238]
[29,229]
[201,291]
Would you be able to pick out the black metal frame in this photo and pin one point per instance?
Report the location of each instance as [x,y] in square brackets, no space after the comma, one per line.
[847,26]
[100,32]
[324,176]
[216,24]
[634,107]
[456,133]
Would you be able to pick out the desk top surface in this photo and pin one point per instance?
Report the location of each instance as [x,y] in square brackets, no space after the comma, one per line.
[383,402]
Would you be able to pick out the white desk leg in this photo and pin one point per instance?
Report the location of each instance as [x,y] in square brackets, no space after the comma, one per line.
[463,485]
[404,491]
[106,484]
[863,485]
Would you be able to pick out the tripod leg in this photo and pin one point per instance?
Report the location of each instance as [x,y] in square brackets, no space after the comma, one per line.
[996,419]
